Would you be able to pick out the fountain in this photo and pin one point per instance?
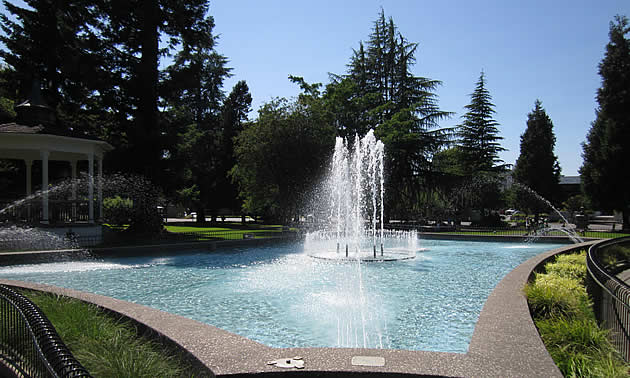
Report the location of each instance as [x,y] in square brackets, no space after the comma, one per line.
[567,230]
[353,203]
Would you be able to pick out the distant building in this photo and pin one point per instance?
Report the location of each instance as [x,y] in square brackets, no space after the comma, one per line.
[570,186]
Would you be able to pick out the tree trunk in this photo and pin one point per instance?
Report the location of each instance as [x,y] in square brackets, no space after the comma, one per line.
[201,215]
[147,132]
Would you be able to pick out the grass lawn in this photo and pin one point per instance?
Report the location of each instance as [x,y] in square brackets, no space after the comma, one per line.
[237,231]
[197,232]
[196,229]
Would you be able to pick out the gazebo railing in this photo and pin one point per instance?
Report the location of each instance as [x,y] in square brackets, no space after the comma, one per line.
[59,211]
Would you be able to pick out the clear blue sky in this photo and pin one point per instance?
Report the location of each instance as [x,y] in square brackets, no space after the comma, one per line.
[547,50]
[535,49]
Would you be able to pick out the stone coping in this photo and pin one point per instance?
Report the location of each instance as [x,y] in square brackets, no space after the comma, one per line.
[505,341]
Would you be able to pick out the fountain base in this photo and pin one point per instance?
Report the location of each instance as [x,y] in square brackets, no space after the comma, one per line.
[396,254]
[363,258]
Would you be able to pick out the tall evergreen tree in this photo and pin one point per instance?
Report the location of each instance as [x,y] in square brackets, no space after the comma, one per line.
[478,134]
[606,152]
[537,166]
[202,120]
[379,91]
[132,31]
[234,115]
[54,43]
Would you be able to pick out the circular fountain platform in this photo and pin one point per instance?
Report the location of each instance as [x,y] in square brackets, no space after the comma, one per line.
[378,258]
[366,257]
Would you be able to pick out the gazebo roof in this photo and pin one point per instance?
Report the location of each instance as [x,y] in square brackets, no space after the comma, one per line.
[36,130]
[18,128]
[25,142]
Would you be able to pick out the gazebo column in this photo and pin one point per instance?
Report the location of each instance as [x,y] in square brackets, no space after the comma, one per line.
[99,187]
[91,187]
[29,185]
[44,155]
[29,174]
[73,164]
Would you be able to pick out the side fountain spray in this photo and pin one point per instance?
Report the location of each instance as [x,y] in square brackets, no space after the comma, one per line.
[569,231]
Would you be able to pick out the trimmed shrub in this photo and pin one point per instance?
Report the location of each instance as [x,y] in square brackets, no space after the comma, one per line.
[574,258]
[117,210]
[551,295]
[568,270]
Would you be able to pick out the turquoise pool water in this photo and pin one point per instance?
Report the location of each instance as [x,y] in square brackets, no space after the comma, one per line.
[279,296]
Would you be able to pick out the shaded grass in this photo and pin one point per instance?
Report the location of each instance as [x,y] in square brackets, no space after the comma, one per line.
[562,311]
[105,346]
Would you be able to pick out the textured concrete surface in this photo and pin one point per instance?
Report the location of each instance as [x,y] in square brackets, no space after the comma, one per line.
[505,342]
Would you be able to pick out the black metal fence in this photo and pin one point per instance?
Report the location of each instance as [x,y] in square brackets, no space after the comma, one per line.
[608,265]
[29,344]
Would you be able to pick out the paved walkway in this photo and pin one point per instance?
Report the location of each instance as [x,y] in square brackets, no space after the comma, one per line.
[625,276]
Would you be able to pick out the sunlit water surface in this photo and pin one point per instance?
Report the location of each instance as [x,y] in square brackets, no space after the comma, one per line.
[279,296]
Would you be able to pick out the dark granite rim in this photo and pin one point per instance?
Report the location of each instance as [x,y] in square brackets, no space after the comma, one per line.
[505,342]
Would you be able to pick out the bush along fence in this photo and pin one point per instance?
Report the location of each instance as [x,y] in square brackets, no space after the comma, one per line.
[608,264]
[29,344]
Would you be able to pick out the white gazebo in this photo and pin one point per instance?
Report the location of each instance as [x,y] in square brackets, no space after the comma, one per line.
[35,136]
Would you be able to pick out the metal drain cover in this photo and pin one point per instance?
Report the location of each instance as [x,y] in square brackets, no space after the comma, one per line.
[368,361]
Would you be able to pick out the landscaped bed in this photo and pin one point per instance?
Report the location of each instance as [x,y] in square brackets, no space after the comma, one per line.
[106,346]
[562,311]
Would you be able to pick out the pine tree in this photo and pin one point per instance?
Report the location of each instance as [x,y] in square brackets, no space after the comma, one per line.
[132,30]
[478,134]
[234,115]
[379,91]
[537,166]
[193,96]
[54,43]
[606,152]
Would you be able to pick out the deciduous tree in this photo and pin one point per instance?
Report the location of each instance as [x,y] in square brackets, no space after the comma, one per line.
[281,156]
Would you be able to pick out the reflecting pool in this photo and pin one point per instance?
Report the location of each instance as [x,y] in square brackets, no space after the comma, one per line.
[282,297]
